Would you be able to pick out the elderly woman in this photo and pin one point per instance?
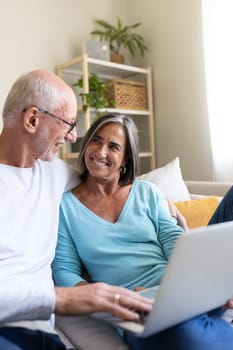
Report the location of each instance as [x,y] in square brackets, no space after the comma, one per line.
[121,230]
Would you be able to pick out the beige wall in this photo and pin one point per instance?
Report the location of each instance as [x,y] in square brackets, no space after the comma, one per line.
[173,31]
[43,33]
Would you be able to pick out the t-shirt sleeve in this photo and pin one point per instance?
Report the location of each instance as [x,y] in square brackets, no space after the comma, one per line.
[23,299]
[71,177]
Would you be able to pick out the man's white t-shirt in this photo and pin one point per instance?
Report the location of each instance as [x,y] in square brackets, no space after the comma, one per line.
[29,213]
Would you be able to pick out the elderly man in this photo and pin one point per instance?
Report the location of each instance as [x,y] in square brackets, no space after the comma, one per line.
[38,117]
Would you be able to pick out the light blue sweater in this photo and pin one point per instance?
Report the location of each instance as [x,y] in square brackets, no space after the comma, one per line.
[131,252]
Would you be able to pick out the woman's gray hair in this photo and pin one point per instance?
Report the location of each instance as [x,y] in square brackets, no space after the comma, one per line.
[33,89]
[131,148]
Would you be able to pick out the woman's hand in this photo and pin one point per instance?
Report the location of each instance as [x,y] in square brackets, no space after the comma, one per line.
[229,304]
[175,213]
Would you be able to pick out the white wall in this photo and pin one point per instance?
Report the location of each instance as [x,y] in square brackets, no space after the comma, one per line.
[173,30]
[43,33]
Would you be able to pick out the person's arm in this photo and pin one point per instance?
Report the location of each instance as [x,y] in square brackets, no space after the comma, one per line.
[176,214]
[229,304]
[168,230]
[26,300]
[22,298]
[74,296]
[67,266]
[96,297]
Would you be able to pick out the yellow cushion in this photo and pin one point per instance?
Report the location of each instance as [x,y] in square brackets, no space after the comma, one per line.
[198,212]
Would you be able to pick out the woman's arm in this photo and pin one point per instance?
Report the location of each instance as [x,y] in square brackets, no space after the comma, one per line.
[67,266]
[175,213]
[168,228]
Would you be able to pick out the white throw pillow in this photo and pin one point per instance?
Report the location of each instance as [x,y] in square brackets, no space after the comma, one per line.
[170,181]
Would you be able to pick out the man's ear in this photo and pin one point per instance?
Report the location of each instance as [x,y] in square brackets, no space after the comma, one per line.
[31,119]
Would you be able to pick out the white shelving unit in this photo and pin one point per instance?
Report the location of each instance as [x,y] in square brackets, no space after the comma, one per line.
[83,66]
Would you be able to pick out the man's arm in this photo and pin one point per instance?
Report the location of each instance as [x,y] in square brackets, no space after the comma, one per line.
[96,297]
[22,299]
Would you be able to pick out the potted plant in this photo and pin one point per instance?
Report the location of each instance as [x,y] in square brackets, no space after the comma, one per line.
[97,95]
[120,36]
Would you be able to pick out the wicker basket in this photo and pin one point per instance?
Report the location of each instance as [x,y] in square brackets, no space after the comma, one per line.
[128,94]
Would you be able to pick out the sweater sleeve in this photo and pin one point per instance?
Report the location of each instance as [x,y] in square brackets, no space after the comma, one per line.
[167,228]
[67,265]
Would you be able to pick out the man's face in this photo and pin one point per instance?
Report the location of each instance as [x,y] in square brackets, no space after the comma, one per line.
[54,132]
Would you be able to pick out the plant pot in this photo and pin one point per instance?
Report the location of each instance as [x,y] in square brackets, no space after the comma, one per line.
[117,58]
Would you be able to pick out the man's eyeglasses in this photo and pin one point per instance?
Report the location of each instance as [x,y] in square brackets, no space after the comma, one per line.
[71,125]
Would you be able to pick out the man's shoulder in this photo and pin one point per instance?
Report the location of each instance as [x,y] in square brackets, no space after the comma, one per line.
[60,172]
[56,164]
[52,163]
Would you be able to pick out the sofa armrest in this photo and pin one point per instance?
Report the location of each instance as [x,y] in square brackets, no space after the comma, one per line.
[209,188]
[88,333]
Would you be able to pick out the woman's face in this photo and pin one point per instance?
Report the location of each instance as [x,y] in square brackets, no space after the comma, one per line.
[105,153]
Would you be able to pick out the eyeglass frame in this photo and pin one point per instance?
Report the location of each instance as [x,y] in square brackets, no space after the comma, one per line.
[71,125]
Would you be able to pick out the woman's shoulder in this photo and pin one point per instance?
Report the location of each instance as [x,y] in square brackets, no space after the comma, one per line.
[67,196]
[146,184]
[148,187]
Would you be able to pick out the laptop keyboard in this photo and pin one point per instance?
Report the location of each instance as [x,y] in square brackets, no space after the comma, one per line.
[143,317]
[149,293]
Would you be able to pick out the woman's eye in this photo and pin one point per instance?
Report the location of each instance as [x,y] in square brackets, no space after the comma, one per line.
[95,139]
[115,147]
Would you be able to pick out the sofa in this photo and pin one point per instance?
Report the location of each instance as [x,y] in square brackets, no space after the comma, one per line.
[87,333]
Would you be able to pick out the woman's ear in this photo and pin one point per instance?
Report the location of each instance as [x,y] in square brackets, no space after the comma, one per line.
[31,119]
[124,162]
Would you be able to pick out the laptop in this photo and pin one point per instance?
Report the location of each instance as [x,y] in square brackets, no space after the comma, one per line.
[198,278]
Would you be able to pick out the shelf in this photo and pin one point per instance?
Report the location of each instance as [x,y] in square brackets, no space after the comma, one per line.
[123,111]
[104,68]
[74,155]
[83,66]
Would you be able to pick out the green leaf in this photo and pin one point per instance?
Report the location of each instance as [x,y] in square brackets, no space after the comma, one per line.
[120,35]
[96,97]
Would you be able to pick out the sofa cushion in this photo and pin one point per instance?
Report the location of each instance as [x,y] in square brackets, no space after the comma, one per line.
[87,333]
[198,212]
[209,188]
[169,180]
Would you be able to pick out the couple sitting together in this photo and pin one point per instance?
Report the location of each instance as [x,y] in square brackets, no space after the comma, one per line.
[117,227]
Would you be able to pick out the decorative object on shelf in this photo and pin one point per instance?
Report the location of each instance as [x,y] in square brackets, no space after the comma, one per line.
[97,49]
[83,67]
[117,58]
[120,36]
[97,95]
[127,94]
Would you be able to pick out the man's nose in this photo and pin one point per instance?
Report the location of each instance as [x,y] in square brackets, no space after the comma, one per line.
[71,136]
